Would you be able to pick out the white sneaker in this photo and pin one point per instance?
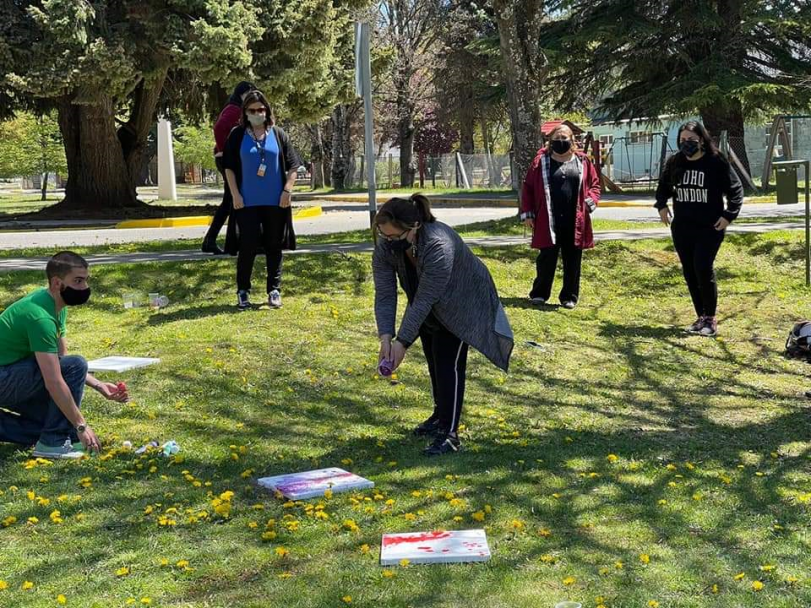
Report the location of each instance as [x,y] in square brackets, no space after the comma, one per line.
[275,299]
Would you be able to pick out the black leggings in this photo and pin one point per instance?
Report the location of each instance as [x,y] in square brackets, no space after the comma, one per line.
[260,226]
[224,210]
[697,247]
[447,362]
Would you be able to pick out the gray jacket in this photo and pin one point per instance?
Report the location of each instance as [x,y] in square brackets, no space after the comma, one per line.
[453,283]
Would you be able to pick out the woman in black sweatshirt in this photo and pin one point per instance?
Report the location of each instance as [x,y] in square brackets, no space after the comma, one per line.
[698,178]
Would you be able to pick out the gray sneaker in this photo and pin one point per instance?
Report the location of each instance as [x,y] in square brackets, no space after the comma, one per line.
[243,300]
[569,304]
[275,299]
[696,326]
[65,451]
[537,301]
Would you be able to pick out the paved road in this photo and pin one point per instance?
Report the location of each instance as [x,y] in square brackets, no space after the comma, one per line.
[11,264]
[338,217]
[332,221]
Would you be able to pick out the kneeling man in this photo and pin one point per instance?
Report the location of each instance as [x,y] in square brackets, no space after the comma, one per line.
[41,387]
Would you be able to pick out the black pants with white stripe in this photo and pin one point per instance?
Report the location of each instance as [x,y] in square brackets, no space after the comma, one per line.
[447,361]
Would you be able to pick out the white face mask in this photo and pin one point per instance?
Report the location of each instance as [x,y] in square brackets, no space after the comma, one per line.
[257,120]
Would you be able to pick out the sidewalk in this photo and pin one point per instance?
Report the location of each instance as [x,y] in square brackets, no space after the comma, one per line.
[12,264]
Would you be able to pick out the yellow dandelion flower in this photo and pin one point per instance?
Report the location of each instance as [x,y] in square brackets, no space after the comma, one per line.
[183,563]
[347,599]
[478,516]
[146,601]
[757,585]
[328,494]
[410,517]
[569,580]
[517,524]
[644,558]
[715,589]
[739,576]
[388,573]
[612,458]
[545,532]
[61,599]
[227,495]
[27,586]
[3,585]
[548,559]
[653,604]
[767,567]
[269,535]
[618,565]
[282,552]
[458,518]
[404,563]
[33,520]
[122,571]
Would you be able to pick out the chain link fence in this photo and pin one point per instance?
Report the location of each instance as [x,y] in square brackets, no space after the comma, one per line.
[474,171]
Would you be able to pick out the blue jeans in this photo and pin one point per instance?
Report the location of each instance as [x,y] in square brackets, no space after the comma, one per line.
[36,416]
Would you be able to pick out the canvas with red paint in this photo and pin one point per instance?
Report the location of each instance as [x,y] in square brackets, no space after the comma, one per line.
[309,484]
[438,547]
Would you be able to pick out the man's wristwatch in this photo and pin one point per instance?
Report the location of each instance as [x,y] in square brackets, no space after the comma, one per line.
[81,428]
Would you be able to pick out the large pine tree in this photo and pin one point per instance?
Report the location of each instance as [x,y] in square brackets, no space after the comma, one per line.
[728,60]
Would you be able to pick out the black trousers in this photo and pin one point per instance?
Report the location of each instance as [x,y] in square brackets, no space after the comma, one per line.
[447,362]
[224,210]
[260,226]
[697,247]
[547,262]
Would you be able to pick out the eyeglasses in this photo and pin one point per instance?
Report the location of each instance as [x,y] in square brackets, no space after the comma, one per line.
[392,237]
[255,110]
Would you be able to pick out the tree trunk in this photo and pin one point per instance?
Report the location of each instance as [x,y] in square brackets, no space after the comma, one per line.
[45,186]
[525,68]
[104,163]
[341,149]
[467,121]
[728,118]
[97,172]
[405,132]
[317,156]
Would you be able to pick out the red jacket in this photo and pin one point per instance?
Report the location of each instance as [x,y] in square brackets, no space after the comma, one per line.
[228,119]
[535,203]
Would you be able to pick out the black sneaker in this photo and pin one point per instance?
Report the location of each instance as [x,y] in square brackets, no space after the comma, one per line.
[443,444]
[210,246]
[427,427]
[243,302]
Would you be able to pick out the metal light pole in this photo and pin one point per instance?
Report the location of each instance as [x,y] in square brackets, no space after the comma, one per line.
[363,84]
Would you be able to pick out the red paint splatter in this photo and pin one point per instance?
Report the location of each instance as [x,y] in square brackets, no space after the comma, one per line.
[393,539]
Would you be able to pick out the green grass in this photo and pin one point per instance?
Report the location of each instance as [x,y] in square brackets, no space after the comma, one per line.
[711,437]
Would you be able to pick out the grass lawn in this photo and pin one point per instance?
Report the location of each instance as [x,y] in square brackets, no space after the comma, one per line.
[623,460]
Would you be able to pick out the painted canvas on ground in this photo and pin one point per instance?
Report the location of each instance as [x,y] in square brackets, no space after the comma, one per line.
[309,484]
[119,364]
[438,547]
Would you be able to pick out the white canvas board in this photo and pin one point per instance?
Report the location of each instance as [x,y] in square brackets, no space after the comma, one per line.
[119,364]
[438,547]
[309,484]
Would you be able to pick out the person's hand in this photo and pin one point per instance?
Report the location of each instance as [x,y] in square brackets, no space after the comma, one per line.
[665,215]
[284,202]
[89,440]
[721,224]
[114,392]
[529,222]
[238,202]
[385,348]
[398,353]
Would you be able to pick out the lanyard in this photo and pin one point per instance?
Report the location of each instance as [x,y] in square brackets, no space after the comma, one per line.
[260,146]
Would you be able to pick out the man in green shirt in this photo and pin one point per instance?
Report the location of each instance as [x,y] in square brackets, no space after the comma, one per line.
[41,387]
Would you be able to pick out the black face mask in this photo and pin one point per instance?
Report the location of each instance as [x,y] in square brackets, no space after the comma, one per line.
[399,245]
[75,297]
[689,147]
[561,146]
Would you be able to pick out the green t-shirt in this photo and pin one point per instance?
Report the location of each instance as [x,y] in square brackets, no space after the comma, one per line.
[29,326]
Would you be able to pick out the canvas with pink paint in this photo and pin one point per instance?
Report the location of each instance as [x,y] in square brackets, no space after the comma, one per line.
[309,484]
[438,547]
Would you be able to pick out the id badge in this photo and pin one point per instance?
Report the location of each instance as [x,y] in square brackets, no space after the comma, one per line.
[261,171]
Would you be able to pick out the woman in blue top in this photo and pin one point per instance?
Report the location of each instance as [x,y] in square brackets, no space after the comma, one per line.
[260,166]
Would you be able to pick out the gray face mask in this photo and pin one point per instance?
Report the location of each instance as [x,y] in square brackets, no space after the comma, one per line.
[257,120]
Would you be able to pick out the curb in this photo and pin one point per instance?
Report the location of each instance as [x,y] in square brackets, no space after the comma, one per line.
[202,220]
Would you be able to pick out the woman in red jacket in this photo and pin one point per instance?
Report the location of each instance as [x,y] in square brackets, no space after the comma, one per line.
[560,192]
